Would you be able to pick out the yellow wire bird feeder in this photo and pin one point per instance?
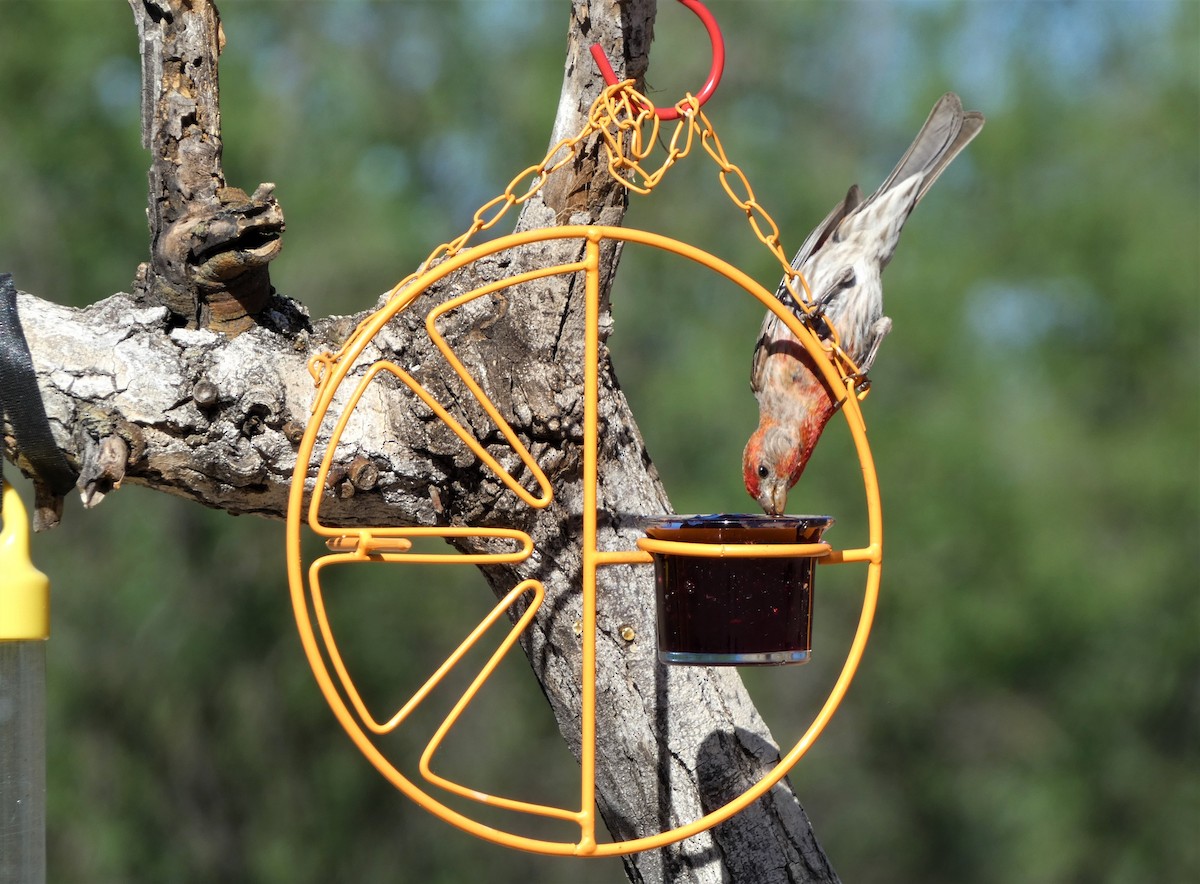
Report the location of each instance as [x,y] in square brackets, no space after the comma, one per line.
[745,549]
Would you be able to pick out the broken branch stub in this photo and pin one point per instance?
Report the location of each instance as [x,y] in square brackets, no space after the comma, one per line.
[210,244]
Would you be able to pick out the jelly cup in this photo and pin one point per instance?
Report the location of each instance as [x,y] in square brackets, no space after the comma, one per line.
[721,604]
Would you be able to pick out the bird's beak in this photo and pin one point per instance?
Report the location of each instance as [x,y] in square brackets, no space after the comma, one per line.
[773,498]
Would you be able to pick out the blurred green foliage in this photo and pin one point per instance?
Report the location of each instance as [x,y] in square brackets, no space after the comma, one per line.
[1029,707]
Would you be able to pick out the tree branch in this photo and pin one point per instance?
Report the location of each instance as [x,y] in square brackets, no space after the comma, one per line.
[216,418]
[210,244]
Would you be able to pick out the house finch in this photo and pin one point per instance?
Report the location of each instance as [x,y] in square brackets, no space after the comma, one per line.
[842,261]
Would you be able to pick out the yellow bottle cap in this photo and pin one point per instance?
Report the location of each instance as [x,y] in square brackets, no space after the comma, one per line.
[24,590]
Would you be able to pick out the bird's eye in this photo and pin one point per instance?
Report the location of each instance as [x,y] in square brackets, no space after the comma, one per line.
[763,471]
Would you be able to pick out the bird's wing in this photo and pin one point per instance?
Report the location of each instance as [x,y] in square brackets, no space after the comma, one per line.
[773,331]
[823,231]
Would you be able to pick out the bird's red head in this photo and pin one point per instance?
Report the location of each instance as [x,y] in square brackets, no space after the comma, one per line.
[777,453]
[772,463]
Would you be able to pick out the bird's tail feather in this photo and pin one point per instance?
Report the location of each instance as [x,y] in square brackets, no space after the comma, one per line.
[946,132]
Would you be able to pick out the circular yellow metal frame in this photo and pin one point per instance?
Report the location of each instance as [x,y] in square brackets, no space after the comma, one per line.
[390,544]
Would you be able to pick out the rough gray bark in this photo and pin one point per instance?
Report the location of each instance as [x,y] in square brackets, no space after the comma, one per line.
[175,389]
[210,243]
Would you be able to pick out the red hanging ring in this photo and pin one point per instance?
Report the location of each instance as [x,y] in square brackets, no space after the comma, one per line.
[714,73]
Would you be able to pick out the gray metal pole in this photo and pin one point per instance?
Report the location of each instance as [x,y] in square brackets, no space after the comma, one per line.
[22,762]
[24,628]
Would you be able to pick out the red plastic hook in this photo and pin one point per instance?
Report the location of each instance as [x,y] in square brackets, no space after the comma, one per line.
[714,73]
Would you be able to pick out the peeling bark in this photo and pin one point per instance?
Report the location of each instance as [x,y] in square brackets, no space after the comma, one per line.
[210,243]
[149,389]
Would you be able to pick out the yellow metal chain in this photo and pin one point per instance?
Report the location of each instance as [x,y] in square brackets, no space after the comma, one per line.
[625,121]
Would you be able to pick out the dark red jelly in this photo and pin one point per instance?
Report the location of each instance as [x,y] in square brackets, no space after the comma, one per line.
[729,610]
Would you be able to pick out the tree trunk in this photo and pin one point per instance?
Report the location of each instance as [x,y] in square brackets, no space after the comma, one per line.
[197,385]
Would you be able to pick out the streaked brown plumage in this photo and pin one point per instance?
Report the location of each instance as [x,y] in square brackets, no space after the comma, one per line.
[842,260]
